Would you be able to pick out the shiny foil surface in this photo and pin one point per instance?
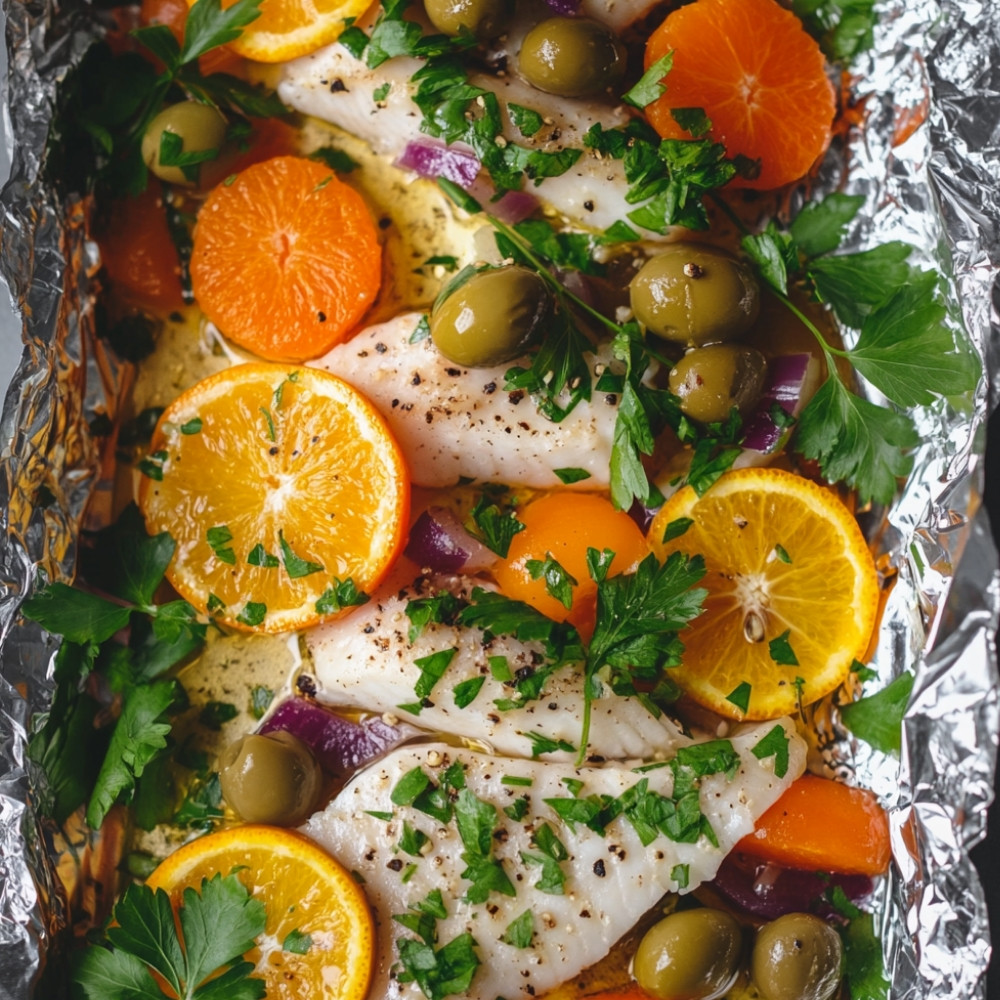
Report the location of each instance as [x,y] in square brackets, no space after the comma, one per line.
[925,157]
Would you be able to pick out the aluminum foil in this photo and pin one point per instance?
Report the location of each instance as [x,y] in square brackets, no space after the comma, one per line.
[927,161]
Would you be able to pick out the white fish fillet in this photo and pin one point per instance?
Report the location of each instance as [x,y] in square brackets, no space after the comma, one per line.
[454,422]
[611,879]
[366,661]
[331,84]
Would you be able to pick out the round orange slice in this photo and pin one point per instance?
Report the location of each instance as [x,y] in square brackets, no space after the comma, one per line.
[284,490]
[792,591]
[318,941]
[287,29]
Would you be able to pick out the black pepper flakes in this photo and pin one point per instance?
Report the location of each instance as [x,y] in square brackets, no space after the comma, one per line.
[396,865]
[599,868]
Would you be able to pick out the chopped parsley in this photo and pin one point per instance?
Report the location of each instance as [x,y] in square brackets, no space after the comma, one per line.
[218,539]
[774,744]
[781,650]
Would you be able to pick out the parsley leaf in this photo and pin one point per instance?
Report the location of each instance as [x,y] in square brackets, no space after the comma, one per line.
[877,719]
[439,972]
[740,696]
[295,566]
[496,527]
[856,441]
[845,28]
[819,227]
[781,650]
[76,614]
[650,86]
[774,744]
[217,926]
[559,583]
[520,931]
[340,594]
[139,735]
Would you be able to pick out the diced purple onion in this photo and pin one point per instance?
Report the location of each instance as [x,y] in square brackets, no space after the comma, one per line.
[513,206]
[434,159]
[786,380]
[642,515]
[439,542]
[766,890]
[565,7]
[340,746]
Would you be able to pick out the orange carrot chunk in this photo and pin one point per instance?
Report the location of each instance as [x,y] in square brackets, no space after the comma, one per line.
[823,825]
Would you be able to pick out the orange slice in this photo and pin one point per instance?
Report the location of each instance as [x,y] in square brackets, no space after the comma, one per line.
[789,576]
[307,895]
[279,485]
[286,259]
[758,76]
[287,29]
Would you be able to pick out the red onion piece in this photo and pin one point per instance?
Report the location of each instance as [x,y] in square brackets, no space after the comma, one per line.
[565,7]
[433,159]
[786,381]
[514,206]
[439,542]
[767,890]
[340,746]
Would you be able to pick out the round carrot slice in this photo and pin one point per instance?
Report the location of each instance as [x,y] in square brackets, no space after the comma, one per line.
[758,76]
[309,898]
[286,259]
[284,491]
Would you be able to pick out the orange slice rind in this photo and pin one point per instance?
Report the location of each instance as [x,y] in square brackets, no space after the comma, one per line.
[787,569]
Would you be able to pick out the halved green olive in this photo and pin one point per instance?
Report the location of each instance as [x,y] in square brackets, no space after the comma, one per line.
[492,318]
[694,295]
[483,18]
[200,129]
[571,57]
[270,778]
[710,381]
[690,955]
[797,957]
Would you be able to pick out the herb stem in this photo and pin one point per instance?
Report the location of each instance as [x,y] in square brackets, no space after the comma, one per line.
[546,275]
[828,350]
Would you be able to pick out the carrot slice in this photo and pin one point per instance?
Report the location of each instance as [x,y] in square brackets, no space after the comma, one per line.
[823,825]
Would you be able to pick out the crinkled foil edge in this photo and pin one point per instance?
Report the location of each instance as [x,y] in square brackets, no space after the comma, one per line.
[933,182]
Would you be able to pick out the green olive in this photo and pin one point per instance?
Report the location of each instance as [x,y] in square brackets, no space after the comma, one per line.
[200,128]
[491,318]
[797,957]
[710,381]
[272,778]
[483,18]
[694,295]
[690,955]
[571,57]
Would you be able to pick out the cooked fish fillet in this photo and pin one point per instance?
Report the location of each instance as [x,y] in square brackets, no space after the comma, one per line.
[333,85]
[611,878]
[454,422]
[365,660]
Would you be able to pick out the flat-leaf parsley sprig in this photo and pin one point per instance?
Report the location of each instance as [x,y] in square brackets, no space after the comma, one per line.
[905,347]
[83,759]
[214,929]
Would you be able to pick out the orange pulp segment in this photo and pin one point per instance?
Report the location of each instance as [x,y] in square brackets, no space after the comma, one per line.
[306,893]
[286,258]
[757,75]
[278,485]
[789,577]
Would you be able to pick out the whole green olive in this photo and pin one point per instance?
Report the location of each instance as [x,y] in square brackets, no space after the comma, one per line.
[483,18]
[200,128]
[270,778]
[694,295]
[710,381]
[797,957]
[491,318]
[690,955]
[571,57]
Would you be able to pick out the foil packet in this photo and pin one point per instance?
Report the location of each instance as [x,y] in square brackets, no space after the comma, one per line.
[926,160]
